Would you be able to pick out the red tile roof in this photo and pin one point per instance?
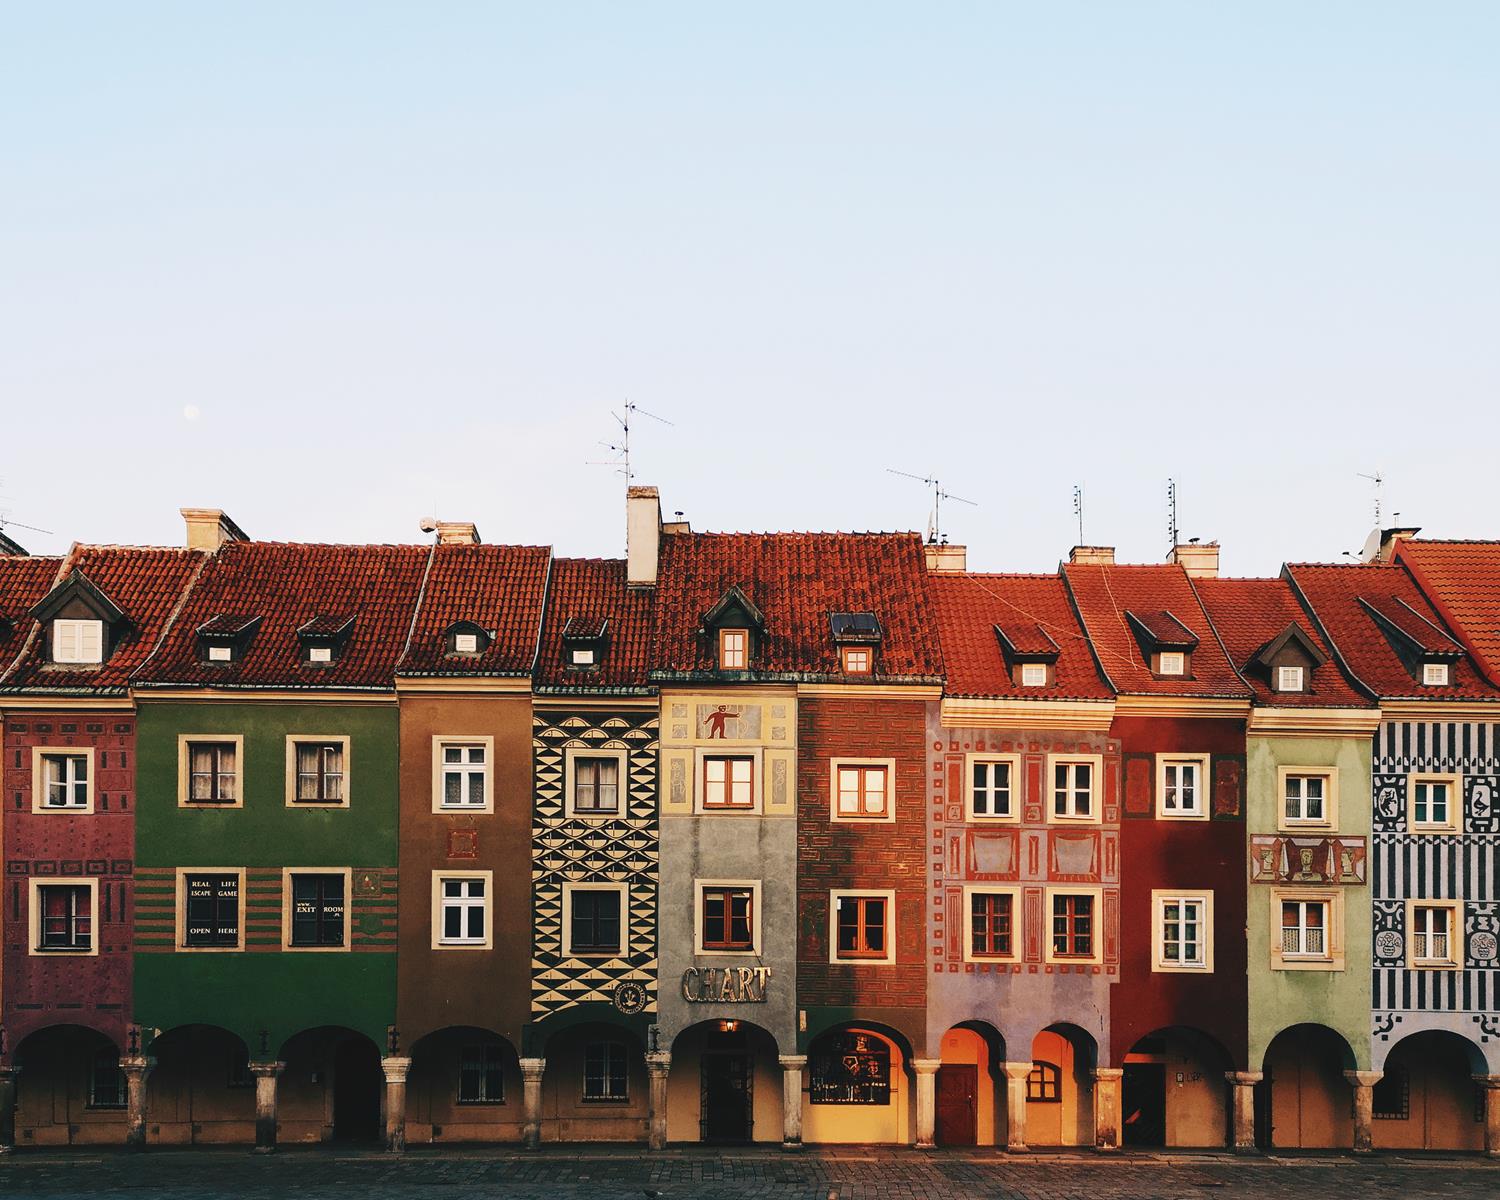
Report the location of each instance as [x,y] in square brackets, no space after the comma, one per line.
[1462,579]
[286,585]
[1251,613]
[501,589]
[1334,593]
[145,583]
[796,580]
[23,581]
[584,595]
[1104,594]
[1032,607]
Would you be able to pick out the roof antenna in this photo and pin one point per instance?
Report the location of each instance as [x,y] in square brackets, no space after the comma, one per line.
[621,447]
[1172,512]
[1078,509]
[1379,481]
[935,535]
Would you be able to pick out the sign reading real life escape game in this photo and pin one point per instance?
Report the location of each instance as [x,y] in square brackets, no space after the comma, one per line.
[725,985]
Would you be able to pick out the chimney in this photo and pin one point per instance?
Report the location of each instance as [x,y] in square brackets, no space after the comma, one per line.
[943,559]
[1199,559]
[456,533]
[642,535]
[210,528]
[1092,556]
[1381,545]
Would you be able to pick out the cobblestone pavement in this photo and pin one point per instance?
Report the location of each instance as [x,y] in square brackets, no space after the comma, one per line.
[844,1173]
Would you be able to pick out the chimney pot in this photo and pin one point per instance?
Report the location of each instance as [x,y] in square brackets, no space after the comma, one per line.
[210,528]
[642,535]
[1199,559]
[1093,556]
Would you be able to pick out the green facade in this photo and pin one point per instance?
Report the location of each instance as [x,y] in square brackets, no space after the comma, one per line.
[1338,999]
[266,993]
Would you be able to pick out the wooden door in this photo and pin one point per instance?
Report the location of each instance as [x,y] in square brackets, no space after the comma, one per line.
[957,1104]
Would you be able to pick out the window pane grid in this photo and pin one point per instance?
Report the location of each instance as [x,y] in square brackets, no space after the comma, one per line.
[990,789]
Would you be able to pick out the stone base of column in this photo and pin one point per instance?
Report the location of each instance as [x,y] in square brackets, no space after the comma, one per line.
[531,1090]
[791,1101]
[926,1069]
[1107,1108]
[1242,1105]
[658,1067]
[1015,1106]
[395,1068]
[137,1071]
[1490,1084]
[266,1075]
[1363,1083]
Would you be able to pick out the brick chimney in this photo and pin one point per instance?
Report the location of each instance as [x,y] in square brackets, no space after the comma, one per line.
[642,535]
[1199,559]
[945,559]
[210,528]
[1092,556]
[457,533]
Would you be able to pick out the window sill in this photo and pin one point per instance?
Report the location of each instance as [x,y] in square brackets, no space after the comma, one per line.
[619,1100]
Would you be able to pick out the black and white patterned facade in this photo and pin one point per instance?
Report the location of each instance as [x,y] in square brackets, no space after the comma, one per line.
[1460,866]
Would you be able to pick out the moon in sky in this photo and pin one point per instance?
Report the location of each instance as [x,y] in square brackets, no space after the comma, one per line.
[190,412]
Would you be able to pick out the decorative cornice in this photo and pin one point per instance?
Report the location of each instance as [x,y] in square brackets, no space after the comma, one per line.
[463,685]
[1089,715]
[1312,722]
[598,702]
[872,691]
[1180,706]
[1439,710]
[267,696]
[36,702]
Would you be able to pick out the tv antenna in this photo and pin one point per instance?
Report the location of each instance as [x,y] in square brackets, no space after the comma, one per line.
[1078,509]
[620,448]
[1379,481]
[1172,511]
[935,531]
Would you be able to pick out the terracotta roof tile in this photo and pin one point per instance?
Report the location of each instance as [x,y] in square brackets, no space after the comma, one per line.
[501,589]
[1462,579]
[796,580]
[286,585]
[587,595]
[23,581]
[1104,594]
[1341,596]
[1249,614]
[969,607]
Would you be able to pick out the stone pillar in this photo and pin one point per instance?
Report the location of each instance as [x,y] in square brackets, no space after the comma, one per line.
[266,1074]
[658,1065]
[792,1066]
[8,1108]
[137,1070]
[1363,1083]
[1242,1104]
[1491,1086]
[1015,1105]
[1107,1107]
[926,1069]
[531,1094]
[395,1068]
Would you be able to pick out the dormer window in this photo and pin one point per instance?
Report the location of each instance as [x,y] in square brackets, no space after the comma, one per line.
[323,638]
[734,649]
[582,657]
[1030,653]
[1166,643]
[1435,674]
[224,638]
[857,636]
[221,653]
[857,660]
[320,654]
[83,624]
[1290,679]
[1034,675]
[75,641]
[1425,650]
[465,639]
[1172,662]
[584,639]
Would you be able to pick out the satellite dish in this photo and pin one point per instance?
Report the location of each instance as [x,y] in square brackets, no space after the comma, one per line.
[428,524]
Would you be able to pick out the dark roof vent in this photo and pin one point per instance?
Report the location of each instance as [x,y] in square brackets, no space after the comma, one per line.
[855,628]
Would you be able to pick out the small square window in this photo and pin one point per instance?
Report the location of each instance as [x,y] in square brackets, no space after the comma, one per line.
[728,781]
[77,641]
[858,660]
[1172,662]
[1435,674]
[1034,675]
[583,657]
[992,925]
[861,791]
[734,649]
[466,643]
[211,910]
[319,654]
[219,653]
[1289,679]
[213,772]
[861,927]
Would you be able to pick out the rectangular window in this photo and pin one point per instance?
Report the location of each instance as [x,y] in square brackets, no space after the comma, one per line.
[1305,799]
[734,649]
[218,652]
[1073,790]
[728,918]
[1435,674]
[65,919]
[596,786]
[465,908]
[991,924]
[320,772]
[1179,783]
[1034,675]
[1072,926]
[1432,803]
[77,641]
[1289,679]
[728,781]
[65,781]
[1434,942]
[211,910]
[1183,932]
[991,784]
[481,1073]
[858,660]
[213,772]
[465,774]
[466,643]
[318,910]
[320,654]
[106,1080]
[860,927]
[606,1072]
[594,921]
[1172,662]
[863,791]
[1304,929]
[583,657]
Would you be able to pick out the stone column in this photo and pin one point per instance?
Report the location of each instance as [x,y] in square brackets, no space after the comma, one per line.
[8,1108]
[926,1069]
[1363,1083]
[1491,1086]
[266,1074]
[1242,1104]
[1015,1105]
[791,1100]
[658,1065]
[531,1094]
[395,1068]
[1107,1107]
[137,1070]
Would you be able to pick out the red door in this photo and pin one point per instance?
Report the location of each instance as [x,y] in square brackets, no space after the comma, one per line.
[957,1105]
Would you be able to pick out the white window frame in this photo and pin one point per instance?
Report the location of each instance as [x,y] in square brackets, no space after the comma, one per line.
[1177,658]
[1165,763]
[1013,762]
[1436,674]
[293,740]
[39,755]
[750,885]
[185,743]
[1068,889]
[1300,673]
[34,915]
[442,740]
[1330,818]
[439,905]
[571,755]
[1332,958]
[1016,907]
[1160,898]
[886,894]
[1454,782]
[885,817]
[582,656]
[1034,675]
[1451,961]
[79,630]
[286,909]
[182,874]
[569,890]
[1096,789]
[220,652]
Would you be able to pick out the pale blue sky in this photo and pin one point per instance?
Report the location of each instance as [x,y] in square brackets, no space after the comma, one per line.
[405,258]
